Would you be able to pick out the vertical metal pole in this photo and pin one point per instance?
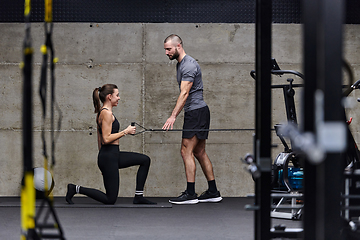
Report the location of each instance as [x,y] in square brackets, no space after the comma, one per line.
[330,82]
[322,66]
[310,36]
[263,117]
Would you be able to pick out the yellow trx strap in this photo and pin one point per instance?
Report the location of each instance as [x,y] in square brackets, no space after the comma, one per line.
[27,8]
[27,205]
[27,188]
[48,10]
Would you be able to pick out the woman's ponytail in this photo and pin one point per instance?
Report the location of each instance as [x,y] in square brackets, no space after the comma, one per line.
[96,100]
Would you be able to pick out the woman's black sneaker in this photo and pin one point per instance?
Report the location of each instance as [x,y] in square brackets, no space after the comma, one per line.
[208,196]
[185,198]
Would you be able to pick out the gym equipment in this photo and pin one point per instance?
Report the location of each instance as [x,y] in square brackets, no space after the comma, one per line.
[38,225]
[43,180]
[27,188]
[352,153]
[252,167]
[187,130]
[322,67]
[351,193]
[287,173]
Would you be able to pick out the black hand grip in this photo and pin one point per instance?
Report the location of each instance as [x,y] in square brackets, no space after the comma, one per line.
[132,123]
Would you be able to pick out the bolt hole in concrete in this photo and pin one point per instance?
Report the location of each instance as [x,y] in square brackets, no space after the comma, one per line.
[90,63]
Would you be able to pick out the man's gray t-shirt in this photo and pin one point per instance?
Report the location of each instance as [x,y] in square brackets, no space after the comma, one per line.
[189,70]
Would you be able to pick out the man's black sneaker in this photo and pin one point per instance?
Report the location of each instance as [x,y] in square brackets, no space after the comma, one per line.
[185,198]
[208,196]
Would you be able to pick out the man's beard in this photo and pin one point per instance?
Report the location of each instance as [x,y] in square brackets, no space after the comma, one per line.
[175,55]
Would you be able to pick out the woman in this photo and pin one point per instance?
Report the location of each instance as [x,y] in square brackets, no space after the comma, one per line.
[110,159]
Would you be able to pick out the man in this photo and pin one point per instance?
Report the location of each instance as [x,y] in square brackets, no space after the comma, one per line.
[197,116]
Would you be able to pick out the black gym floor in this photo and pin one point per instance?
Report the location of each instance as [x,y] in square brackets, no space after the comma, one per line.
[90,220]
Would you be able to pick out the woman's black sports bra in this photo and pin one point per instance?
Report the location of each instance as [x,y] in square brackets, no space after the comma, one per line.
[115,125]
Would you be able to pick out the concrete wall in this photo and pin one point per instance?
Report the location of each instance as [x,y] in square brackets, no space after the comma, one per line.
[132,56]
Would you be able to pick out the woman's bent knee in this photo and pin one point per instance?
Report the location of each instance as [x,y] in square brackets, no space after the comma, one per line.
[111,200]
[146,160]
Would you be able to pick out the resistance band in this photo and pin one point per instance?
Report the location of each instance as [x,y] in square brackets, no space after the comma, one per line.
[189,130]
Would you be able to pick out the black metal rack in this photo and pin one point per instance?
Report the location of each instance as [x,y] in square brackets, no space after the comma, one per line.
[322,66]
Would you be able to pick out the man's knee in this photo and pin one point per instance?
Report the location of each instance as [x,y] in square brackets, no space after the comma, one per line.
[185,153]
[199,153]
[199,150]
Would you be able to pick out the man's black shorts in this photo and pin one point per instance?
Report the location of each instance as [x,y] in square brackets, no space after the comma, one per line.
[197,119]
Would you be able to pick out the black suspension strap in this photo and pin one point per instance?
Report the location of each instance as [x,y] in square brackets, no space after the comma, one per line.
[43,91]
[46,49]
[189,130]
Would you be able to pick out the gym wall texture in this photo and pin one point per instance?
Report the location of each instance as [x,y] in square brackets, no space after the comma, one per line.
[131,55]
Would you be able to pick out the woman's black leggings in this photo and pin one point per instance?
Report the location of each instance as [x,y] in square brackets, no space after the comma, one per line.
[110,160]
